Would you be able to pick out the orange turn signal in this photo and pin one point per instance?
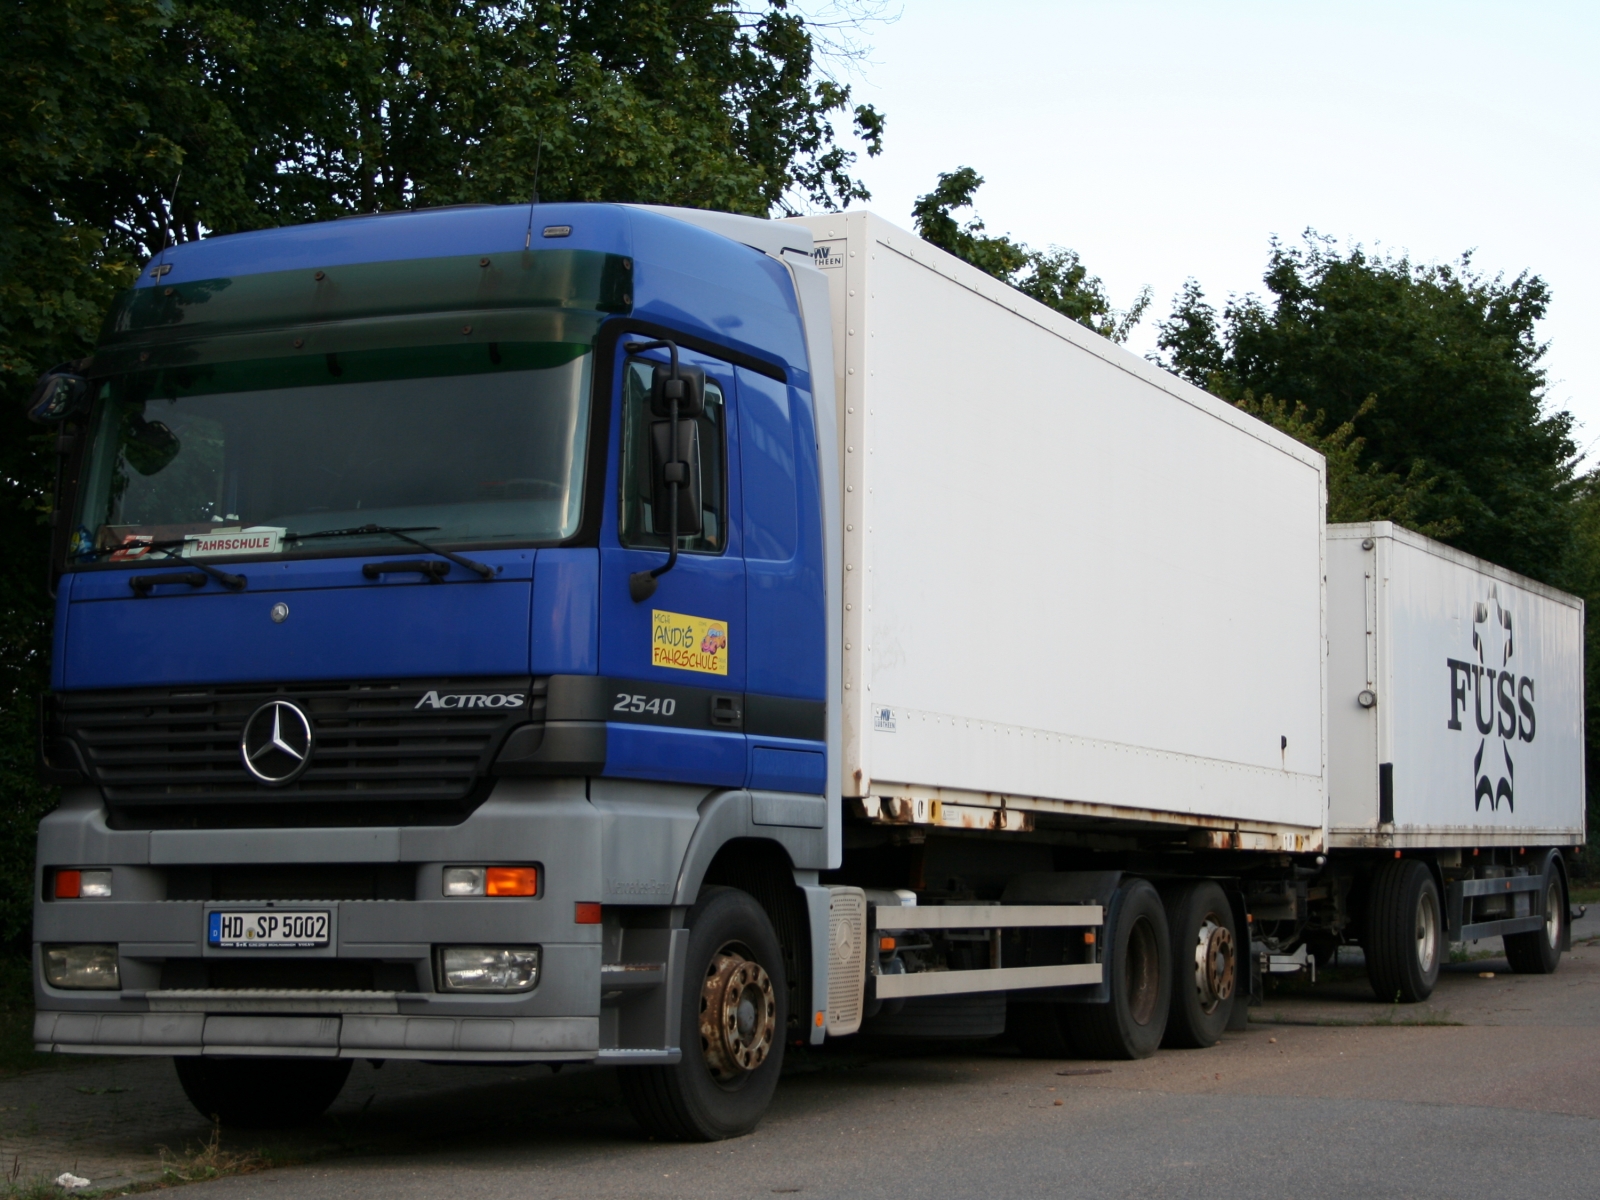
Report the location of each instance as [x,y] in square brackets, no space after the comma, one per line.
[69,885]
[588,913]
[819,1020]
[885,945]
[1088,937]
[511,881]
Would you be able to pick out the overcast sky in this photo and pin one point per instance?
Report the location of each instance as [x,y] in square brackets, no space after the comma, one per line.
[1164,140]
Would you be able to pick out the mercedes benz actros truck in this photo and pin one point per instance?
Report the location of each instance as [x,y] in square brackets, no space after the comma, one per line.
[658,638]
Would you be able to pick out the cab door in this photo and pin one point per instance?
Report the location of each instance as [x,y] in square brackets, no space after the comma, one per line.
[673,665]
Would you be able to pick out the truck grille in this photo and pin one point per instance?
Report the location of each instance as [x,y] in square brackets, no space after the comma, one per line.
[162,756]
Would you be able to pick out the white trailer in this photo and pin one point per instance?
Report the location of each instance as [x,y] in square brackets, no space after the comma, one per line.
[1455,698]
[1074,584]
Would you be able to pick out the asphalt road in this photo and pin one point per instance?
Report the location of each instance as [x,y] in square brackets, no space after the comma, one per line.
[1491,1089]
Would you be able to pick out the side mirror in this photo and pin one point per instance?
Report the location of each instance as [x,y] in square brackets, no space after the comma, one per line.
[690,387]
[680,465]
[149,445]
[58,395]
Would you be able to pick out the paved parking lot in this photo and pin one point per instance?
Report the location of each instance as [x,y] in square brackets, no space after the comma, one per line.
[1494,1086]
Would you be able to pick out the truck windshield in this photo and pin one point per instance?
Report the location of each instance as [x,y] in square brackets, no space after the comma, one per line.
[481,445]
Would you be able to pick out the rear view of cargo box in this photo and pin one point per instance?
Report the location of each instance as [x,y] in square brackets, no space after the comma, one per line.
[1455,698]
[1074,584]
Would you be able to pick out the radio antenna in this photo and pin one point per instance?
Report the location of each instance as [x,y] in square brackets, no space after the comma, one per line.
[161,267]
[534,199]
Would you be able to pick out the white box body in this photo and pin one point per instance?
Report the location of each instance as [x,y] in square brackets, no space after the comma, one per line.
[1073,582]
[1475,680]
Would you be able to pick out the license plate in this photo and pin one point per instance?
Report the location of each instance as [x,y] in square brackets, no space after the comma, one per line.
[268,930]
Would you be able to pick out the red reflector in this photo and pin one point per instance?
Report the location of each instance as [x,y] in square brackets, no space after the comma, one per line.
[69,884]
[511,881]
[588,913]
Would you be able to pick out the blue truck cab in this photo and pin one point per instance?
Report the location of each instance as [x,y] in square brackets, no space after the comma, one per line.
[386,724]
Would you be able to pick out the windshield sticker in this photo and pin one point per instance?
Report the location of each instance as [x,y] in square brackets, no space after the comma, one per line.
[258,539]
[688,643]
[135,545]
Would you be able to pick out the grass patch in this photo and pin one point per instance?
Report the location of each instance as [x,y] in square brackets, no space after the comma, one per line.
[210,1161]
[16,1021]
[1585,893]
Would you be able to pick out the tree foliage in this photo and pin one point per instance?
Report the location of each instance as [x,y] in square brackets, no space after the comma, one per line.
[124,123]
[1357,491]
[1055,277]
[1435,368]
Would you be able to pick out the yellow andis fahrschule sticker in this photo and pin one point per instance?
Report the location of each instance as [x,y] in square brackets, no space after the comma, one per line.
[688,643]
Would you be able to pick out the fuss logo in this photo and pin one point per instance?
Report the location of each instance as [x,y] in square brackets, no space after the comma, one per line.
[1498,701]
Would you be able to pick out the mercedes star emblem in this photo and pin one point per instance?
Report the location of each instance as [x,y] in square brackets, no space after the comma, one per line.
[276,745]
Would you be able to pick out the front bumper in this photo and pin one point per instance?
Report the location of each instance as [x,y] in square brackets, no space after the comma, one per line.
[331,1035]
[170,1004]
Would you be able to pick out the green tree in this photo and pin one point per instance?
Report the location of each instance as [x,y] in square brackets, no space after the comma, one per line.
[126,123]
[1435,368]
[1055,277]
[1357,491]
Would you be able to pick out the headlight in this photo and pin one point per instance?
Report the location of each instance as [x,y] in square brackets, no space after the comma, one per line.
[491,881]
[488,968]
[78,967]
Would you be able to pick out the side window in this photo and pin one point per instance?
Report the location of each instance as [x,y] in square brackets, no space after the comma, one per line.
[639,502]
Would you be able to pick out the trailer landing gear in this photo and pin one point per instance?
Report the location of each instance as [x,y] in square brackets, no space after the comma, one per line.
[732,1030]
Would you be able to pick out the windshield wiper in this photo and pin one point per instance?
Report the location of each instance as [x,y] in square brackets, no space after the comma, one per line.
[170,550]
[404,534]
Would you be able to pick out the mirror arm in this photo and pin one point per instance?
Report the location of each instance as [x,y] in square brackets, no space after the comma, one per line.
[642,584]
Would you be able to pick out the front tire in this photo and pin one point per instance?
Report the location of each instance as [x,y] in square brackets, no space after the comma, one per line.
[262,1093]
[734,1022]
[1404,941]
[1538,951]
[1138,966]
[1205,965]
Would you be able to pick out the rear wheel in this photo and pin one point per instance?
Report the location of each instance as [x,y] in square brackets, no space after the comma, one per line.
[1205,965]
[1539,950]
[262,1093]
[732,1032]
[1138,965]
[1404,940]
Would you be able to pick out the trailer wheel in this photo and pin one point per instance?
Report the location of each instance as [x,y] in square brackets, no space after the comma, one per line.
[262,1093]
[732,1030]
[1404,941]
[1205,965]
[1138,965]
[1539,950]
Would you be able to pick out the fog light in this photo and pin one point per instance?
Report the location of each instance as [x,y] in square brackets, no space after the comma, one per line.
[488,968]
[79,967]
[463,881]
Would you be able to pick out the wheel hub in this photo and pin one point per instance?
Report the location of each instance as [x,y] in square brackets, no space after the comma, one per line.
[738,1015]
[1214,964]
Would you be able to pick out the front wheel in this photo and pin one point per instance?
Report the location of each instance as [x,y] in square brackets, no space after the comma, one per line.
[262,1093]
[732,1033]
[1404,941]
